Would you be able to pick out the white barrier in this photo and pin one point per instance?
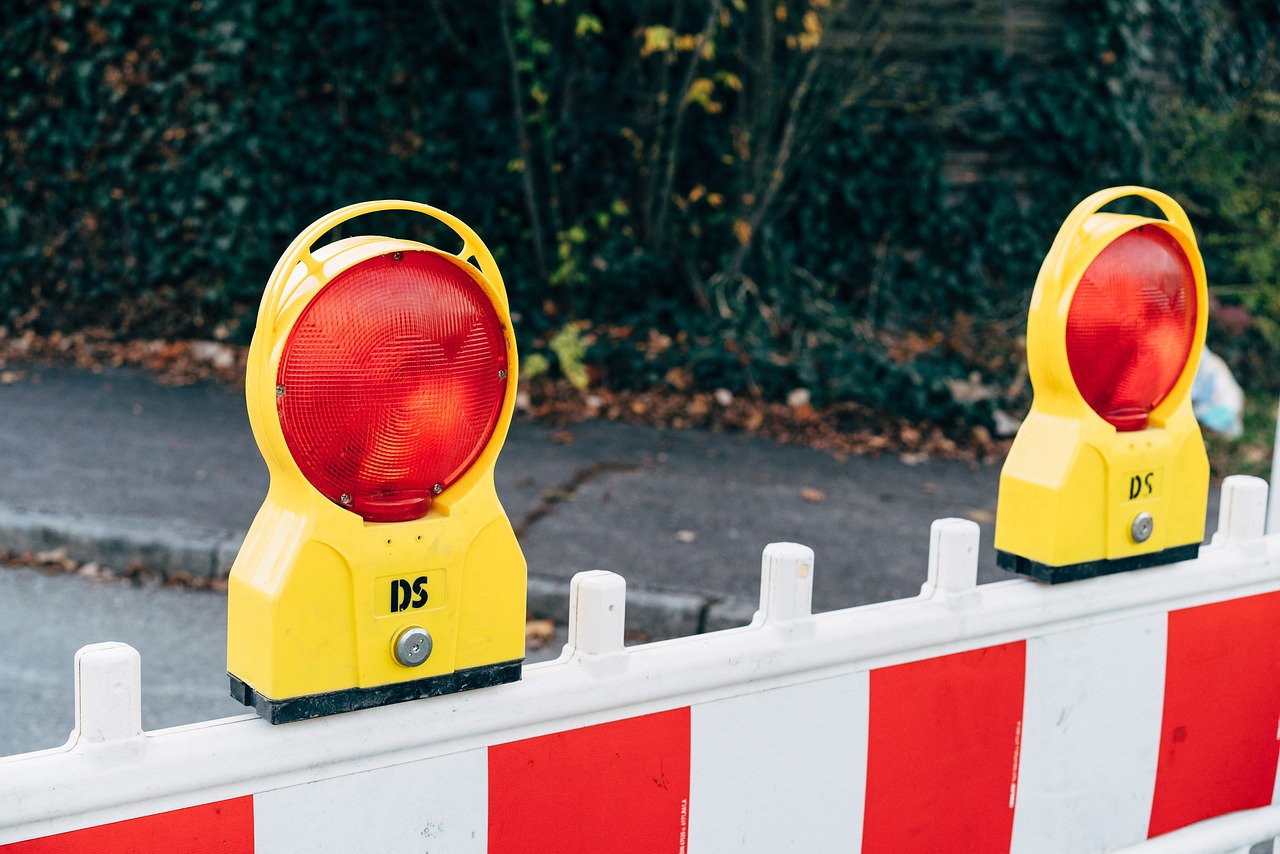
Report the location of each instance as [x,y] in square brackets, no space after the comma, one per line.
[1005,717]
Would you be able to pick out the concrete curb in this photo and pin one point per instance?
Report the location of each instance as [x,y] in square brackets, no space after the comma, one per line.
[120,543]
[177,549]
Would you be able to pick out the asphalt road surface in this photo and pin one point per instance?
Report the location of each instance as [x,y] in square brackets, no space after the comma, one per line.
[180,633]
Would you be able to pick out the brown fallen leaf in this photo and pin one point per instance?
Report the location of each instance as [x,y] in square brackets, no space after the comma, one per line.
[979,515]
[539,633]
[813,496]
[56,559]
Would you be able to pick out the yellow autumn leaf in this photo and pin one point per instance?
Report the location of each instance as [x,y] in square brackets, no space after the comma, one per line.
[742,231]
[657,39]
[588,24]
[699,91]
[812,35]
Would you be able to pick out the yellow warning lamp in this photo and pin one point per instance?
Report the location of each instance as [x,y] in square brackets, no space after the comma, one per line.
[1108,471]
[381,567]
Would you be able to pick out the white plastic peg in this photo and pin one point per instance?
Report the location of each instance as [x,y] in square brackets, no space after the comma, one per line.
[597,613]
[1242,511]
[108,693]
[953,557]
[786,582]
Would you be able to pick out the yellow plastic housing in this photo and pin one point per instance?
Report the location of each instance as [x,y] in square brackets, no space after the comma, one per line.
[1068,500]
[311,608]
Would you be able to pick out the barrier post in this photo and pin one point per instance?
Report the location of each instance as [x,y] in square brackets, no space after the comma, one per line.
[1242,510]
[953,558]
[786,583]
[108,687]
[597,614]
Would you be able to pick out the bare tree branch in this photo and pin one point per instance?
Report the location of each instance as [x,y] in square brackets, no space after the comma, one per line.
[526,145]
[442,21]
[812,109]
[777,172]
[663,200]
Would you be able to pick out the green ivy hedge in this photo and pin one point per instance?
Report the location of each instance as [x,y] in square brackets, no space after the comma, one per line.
[754,195]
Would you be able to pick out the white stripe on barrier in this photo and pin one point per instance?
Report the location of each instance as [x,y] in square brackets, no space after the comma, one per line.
[1037,704]
[429,805]
[781,770]
[1090,736]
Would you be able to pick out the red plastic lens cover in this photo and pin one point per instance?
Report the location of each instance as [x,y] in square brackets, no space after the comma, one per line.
[391,383]
[1131,325]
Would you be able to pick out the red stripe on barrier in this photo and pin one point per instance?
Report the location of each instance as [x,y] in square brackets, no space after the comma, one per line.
[1218,747]
[942,752]
[224,826]
[619,787]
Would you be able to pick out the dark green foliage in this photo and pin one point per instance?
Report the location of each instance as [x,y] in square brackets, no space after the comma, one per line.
[782,200]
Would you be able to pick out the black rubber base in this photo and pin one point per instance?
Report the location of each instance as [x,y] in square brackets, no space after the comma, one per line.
[350,699]
[1093,568]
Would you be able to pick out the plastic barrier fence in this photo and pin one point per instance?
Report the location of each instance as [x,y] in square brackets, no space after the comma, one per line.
[1014,716]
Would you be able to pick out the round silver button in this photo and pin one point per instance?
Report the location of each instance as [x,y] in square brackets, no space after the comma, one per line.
[1142,526]
[413,646]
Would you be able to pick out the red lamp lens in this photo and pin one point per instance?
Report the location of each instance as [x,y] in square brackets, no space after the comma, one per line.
[391,383]
[1131,325]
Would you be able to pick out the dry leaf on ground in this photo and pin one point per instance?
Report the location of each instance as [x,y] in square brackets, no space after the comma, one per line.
[539,633]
